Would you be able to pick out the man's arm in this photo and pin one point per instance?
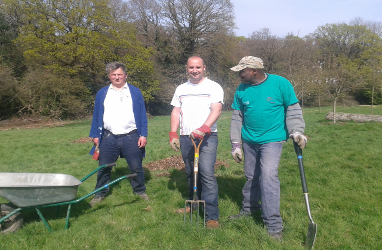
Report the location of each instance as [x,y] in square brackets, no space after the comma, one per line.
[236,124]
[296,125]
[235,135]
[216,110]
[174,124]
[175,119]
[294,120]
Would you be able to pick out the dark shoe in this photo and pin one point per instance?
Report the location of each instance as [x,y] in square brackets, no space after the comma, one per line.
[96,200]
[211,224]
[240,215]
[276,235]
[143,196]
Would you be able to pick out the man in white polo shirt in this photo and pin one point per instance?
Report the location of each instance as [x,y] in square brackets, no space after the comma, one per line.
[119,128]
[197,106]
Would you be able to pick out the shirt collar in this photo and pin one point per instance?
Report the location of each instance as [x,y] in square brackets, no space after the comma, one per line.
[124,87]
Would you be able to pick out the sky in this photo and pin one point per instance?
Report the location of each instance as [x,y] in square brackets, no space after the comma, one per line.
[300,17]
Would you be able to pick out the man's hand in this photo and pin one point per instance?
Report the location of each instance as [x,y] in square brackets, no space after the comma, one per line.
[299,138]
[200,132]
[95,141]
[236,152]
[142,141]
[174,141]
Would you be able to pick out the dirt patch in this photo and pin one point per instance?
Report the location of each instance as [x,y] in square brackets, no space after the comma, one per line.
[27,123]
[175,162]
[83,140]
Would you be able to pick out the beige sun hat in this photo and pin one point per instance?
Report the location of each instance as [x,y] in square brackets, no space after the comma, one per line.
[249,62]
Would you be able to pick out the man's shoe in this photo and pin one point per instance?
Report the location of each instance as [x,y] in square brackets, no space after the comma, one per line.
[240,215]
[211,224]
[276,235]
[143,196]
[96,200]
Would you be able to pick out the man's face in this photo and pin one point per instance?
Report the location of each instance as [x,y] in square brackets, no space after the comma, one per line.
[247,75]
[196,69]
[117,77]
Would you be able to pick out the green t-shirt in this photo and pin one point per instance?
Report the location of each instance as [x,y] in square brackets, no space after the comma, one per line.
[264,108]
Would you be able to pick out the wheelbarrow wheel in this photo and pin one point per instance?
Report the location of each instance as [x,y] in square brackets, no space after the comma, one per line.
[14,222]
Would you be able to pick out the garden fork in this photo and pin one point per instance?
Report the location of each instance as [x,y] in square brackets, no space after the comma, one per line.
[195,201]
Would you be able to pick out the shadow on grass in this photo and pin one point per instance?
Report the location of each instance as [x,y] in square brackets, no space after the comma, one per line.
[229,189]
[119,172]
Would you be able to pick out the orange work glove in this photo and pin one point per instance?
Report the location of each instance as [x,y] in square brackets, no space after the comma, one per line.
[200,132]
[174,141]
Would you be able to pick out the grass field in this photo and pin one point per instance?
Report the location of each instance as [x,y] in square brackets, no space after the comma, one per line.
[342,166]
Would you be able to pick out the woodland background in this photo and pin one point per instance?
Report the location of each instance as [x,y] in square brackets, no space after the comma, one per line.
[53,54]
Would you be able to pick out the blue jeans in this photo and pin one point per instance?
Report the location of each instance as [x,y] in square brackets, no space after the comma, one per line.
[261,163]
[207,184]
[110,148]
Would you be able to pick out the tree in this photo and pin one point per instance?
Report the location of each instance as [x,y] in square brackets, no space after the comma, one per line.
[77,38]
[8,103]
[348,53]
[9,53]
[195,21]
[45,93]
[266,46]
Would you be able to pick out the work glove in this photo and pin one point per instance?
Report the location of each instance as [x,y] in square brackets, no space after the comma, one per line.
[174,141]
[200,132]
[236,152]
[96,153]
[299,138]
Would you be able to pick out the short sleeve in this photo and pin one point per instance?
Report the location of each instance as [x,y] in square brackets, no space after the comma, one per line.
[176,100]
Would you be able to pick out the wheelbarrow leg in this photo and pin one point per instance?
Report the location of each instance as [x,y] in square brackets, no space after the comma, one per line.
[67,216]
[43,219]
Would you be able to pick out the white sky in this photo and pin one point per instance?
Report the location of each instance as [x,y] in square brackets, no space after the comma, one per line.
[300,17]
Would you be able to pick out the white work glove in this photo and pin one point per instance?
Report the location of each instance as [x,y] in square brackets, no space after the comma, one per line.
[299,138]
[236,152]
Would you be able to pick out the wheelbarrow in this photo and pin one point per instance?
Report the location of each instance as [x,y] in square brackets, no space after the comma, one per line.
[40,190]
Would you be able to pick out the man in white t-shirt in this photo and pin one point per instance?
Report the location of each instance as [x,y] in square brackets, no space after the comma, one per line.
[197,106]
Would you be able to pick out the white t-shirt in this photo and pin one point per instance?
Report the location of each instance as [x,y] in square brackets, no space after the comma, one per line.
[195,103]
[118,115]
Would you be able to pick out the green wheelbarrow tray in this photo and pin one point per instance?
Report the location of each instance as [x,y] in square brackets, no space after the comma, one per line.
[40,190]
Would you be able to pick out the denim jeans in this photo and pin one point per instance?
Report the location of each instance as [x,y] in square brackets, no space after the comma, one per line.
[261,163]
[110,148]
[207,185]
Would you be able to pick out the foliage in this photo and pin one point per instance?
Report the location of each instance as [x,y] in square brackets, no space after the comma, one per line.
[77,38]
[42,93]
[342,172]
[8,103]
[74,39]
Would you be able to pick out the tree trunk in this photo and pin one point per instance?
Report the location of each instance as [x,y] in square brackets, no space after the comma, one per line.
[334,111]
[372,100]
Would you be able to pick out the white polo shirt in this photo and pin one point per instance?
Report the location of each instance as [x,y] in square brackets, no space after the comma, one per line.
[195,102]
[118,115]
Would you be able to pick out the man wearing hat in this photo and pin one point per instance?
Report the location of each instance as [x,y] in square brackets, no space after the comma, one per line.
[266,113]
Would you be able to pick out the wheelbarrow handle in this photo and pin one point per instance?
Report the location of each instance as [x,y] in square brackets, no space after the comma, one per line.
[96,170]
[111,164]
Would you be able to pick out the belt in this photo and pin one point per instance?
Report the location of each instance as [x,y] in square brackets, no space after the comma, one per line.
[122,135]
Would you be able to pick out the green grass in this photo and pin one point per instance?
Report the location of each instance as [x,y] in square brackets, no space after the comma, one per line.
[342,165]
